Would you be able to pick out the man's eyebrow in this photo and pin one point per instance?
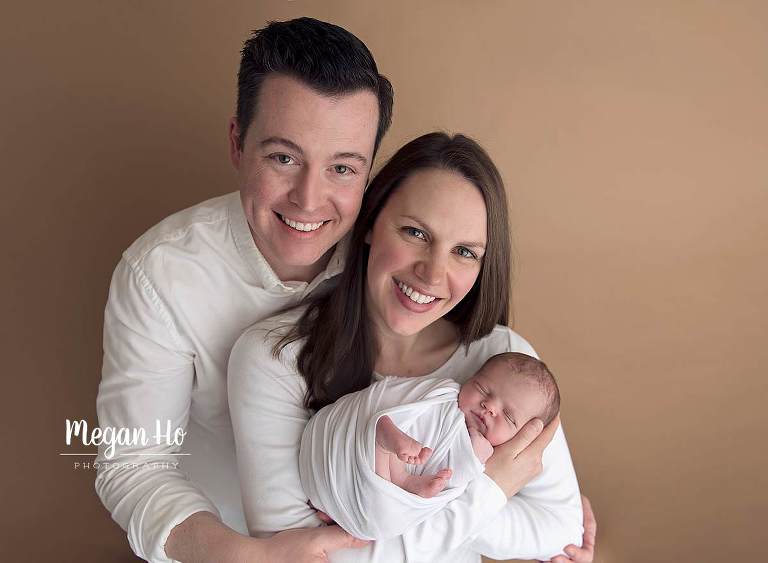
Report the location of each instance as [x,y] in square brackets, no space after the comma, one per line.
[427,227]
[353,155]
[296,148]
[282,141]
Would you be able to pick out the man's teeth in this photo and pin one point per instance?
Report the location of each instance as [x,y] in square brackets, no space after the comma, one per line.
[414,295]
[306,227]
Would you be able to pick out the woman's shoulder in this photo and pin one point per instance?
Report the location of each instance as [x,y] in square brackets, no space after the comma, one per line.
[504,339]
[263,344]
[468,360]
[276,326]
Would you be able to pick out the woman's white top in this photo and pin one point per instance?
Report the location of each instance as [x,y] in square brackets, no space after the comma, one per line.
[266,399]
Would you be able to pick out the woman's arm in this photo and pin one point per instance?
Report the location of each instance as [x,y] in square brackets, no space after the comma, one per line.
[543,517]
[268,419]
[586,552]
[463,519]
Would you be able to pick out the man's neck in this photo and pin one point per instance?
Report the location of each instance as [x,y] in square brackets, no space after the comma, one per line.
[292,273]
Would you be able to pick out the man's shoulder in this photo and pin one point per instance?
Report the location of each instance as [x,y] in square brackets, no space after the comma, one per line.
[175,230]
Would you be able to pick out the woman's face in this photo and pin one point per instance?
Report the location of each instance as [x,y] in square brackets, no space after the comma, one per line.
[427,246]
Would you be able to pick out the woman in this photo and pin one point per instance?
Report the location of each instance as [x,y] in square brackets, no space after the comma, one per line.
[425,291]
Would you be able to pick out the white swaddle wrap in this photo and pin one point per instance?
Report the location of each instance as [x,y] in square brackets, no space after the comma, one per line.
[338,446]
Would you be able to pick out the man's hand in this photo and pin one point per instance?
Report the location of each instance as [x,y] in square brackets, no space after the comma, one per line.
[202,538]
[308,545]
[517,461]
[585,553]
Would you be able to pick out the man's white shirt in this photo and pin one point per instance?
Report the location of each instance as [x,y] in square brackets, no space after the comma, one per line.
[180,297]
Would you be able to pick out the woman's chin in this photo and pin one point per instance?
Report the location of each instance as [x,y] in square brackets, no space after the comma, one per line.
[407,326]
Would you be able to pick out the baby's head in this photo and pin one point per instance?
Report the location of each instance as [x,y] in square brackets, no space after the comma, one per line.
[508,391]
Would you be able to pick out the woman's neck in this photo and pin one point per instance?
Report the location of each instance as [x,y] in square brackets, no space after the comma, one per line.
[417,354]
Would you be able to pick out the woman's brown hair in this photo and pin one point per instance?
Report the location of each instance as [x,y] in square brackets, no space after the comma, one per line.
[339,352]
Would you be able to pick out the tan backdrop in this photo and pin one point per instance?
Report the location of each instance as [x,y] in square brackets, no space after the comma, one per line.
[634,141]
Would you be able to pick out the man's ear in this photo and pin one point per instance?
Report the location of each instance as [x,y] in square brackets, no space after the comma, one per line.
[235,150]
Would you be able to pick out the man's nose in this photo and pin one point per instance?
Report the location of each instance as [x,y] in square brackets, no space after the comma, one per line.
[307,192]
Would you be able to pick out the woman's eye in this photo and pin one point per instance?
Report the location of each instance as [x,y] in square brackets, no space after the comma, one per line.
[414,232]
[281,158]
[343,169]
[464,252]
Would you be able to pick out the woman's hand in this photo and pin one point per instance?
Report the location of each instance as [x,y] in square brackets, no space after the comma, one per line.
[517,461]
[586,552]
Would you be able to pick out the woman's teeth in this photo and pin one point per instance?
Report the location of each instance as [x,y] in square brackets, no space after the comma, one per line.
[305,227]
[414,295]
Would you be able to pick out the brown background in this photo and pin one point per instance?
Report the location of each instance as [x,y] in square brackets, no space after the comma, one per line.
[634,141]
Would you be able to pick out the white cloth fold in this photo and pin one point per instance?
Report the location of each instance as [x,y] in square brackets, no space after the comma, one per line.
[338,448]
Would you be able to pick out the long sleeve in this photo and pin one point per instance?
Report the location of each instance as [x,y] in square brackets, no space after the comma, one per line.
[543,517]
[147,377]
[268,419]
[537,523]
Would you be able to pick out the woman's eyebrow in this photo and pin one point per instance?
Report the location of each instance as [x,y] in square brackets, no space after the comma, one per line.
[426,227]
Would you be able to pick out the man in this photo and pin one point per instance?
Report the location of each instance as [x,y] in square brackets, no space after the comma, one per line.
[311,112]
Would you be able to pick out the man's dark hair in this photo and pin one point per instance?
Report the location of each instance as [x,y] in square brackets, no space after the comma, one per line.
[325,57]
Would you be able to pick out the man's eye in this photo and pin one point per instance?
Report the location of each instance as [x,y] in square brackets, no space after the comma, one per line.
[414,232]
[281,158]
[464,252]
[343,169]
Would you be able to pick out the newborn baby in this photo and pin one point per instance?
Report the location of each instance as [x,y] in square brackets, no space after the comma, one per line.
[363,459]
[508,391]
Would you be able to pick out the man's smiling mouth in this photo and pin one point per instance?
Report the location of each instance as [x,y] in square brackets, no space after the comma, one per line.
[299,226]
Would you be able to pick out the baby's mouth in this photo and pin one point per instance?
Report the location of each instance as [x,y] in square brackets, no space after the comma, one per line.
[480,423]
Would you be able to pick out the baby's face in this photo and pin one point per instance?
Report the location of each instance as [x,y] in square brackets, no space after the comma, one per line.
[498,404]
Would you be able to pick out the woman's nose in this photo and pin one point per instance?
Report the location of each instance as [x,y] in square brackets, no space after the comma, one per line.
[431,269]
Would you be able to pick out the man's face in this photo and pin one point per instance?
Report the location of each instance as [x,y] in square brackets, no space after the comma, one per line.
[499,404]
[302,171]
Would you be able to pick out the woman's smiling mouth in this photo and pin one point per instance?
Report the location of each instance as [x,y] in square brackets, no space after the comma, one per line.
[412,299]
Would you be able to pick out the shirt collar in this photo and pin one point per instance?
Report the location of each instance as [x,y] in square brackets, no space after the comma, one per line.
[265,275]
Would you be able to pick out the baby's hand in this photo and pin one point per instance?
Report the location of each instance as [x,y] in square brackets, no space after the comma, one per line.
[482,447]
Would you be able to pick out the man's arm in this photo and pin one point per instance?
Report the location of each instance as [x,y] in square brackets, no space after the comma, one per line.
[201,538]
[147,377]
